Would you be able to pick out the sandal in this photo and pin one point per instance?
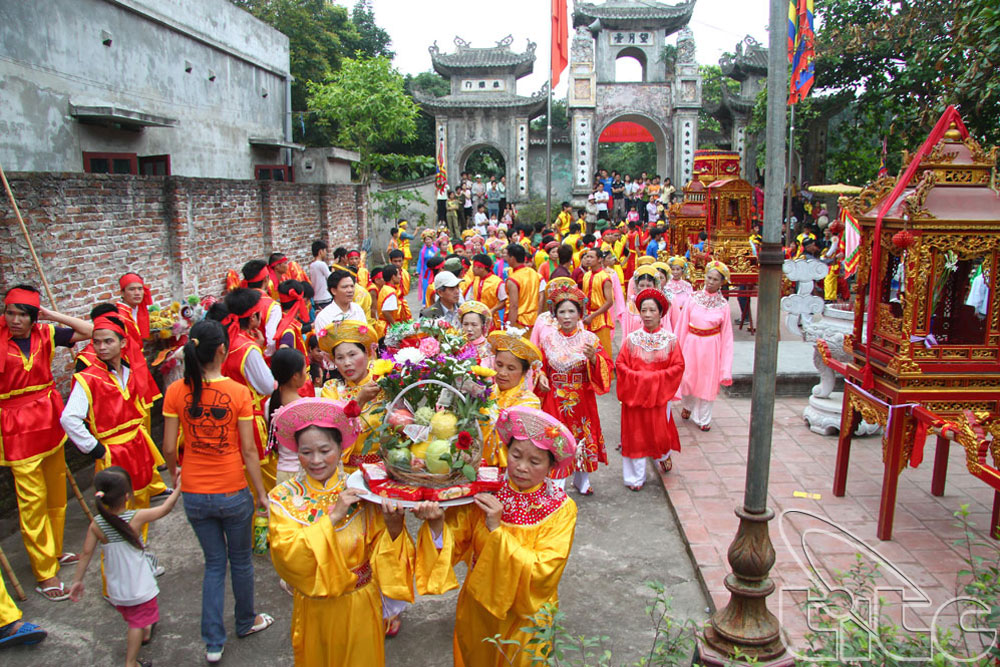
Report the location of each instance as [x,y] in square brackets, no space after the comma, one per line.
[285,586]
[632,487]
[68,559]
[58,597]
[685,414]
[666,465]
[392,626]
[706,427]
[263,624]
[25,635]
[588,492]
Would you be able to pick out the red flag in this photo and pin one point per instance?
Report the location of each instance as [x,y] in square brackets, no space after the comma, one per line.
[560,40]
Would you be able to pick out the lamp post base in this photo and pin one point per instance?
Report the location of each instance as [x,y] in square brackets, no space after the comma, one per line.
[745,624]
[706,656]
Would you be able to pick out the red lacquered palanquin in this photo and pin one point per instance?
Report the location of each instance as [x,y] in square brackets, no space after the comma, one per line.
[933,336]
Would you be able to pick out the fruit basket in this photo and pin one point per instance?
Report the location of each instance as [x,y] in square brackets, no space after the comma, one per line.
[436,398]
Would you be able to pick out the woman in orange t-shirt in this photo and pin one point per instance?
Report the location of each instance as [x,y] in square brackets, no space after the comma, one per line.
[216,415]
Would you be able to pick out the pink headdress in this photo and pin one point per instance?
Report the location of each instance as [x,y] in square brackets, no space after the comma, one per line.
[540,429]
[323,412]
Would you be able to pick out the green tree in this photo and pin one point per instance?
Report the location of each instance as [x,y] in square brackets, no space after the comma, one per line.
[906,61]
[367,103]
[560,117]
[374,41]
[320,35]
[428,83]
[712,81]
[627,158]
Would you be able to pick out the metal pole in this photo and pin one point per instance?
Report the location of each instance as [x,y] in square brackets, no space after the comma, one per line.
[788,177]
[745,624]
[548,154]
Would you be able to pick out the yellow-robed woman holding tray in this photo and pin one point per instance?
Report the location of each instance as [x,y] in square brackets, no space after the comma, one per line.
[515,542]
[336,552]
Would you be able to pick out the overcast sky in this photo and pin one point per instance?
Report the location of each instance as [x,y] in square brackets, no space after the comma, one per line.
[414,25]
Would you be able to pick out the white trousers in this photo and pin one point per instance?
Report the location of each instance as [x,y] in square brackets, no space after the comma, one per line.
[581,480]
[634,470]
[701,410]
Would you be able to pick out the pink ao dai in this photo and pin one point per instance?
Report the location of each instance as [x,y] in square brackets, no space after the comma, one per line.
[708,357]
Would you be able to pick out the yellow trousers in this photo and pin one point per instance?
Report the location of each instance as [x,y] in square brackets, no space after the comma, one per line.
[830,284]
[40,486]
[8,610]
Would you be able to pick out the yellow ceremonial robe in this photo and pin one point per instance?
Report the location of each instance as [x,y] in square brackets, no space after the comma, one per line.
[513,570]
[337,572]
[494,451]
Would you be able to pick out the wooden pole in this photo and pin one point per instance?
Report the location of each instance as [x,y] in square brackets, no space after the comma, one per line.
[9,571]
[52,300]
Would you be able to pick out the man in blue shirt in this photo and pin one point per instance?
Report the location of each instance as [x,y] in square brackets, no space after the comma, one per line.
[653,248]
[606,182]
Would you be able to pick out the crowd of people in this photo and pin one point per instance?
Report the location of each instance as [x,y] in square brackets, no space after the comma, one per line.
[279,402]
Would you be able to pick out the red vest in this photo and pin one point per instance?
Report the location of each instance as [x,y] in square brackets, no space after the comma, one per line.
[30,406]
[136,359]
[116,418]
[232,368]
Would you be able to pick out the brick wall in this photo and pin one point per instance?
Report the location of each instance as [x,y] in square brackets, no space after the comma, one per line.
[181,234]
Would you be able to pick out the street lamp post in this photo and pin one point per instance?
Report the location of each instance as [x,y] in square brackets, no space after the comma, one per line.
[745,624]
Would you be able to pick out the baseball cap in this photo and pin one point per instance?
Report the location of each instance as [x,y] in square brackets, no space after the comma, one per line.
[445,279]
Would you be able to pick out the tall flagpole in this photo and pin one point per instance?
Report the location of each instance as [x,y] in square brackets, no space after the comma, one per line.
[548,151]
[745,626]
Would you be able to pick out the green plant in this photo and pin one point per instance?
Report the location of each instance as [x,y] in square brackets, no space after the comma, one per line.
[550,642]
[842,636]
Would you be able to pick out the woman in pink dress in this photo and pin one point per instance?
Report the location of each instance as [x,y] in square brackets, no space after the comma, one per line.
[645,277]
[578,369]
[677,289]
[705,332]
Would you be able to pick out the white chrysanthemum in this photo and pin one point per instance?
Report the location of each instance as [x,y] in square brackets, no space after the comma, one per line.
[409,355]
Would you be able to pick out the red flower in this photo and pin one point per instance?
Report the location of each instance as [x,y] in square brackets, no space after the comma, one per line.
[352,410]
[464,441]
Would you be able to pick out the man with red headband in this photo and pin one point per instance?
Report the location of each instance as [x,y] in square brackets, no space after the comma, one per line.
[105,414]
[294,298]
[390,303]
[244,363]
[31,439]
[524,287]
[355,262]
[255,276]
[134,311]
[278,271]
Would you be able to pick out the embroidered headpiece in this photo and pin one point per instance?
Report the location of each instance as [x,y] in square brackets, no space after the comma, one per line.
[716,265]
[654,294]
[522,348]
[540,429]
[346,331]
[292,418]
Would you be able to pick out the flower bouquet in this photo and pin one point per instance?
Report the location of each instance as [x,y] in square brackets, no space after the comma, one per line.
[436,397]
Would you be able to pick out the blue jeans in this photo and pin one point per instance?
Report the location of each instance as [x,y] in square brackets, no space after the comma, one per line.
[223,523]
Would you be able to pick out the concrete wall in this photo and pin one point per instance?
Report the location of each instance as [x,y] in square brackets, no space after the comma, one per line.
[413,212]
[51,55]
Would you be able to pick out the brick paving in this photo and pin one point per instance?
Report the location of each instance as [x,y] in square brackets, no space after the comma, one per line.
[706,484]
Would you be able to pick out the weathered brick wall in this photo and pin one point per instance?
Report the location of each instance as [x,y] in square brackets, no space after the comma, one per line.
[181,234]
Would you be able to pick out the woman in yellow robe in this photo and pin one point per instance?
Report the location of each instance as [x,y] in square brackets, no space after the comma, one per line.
[516,362]
[335,551]
[515,543]
[351,344]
